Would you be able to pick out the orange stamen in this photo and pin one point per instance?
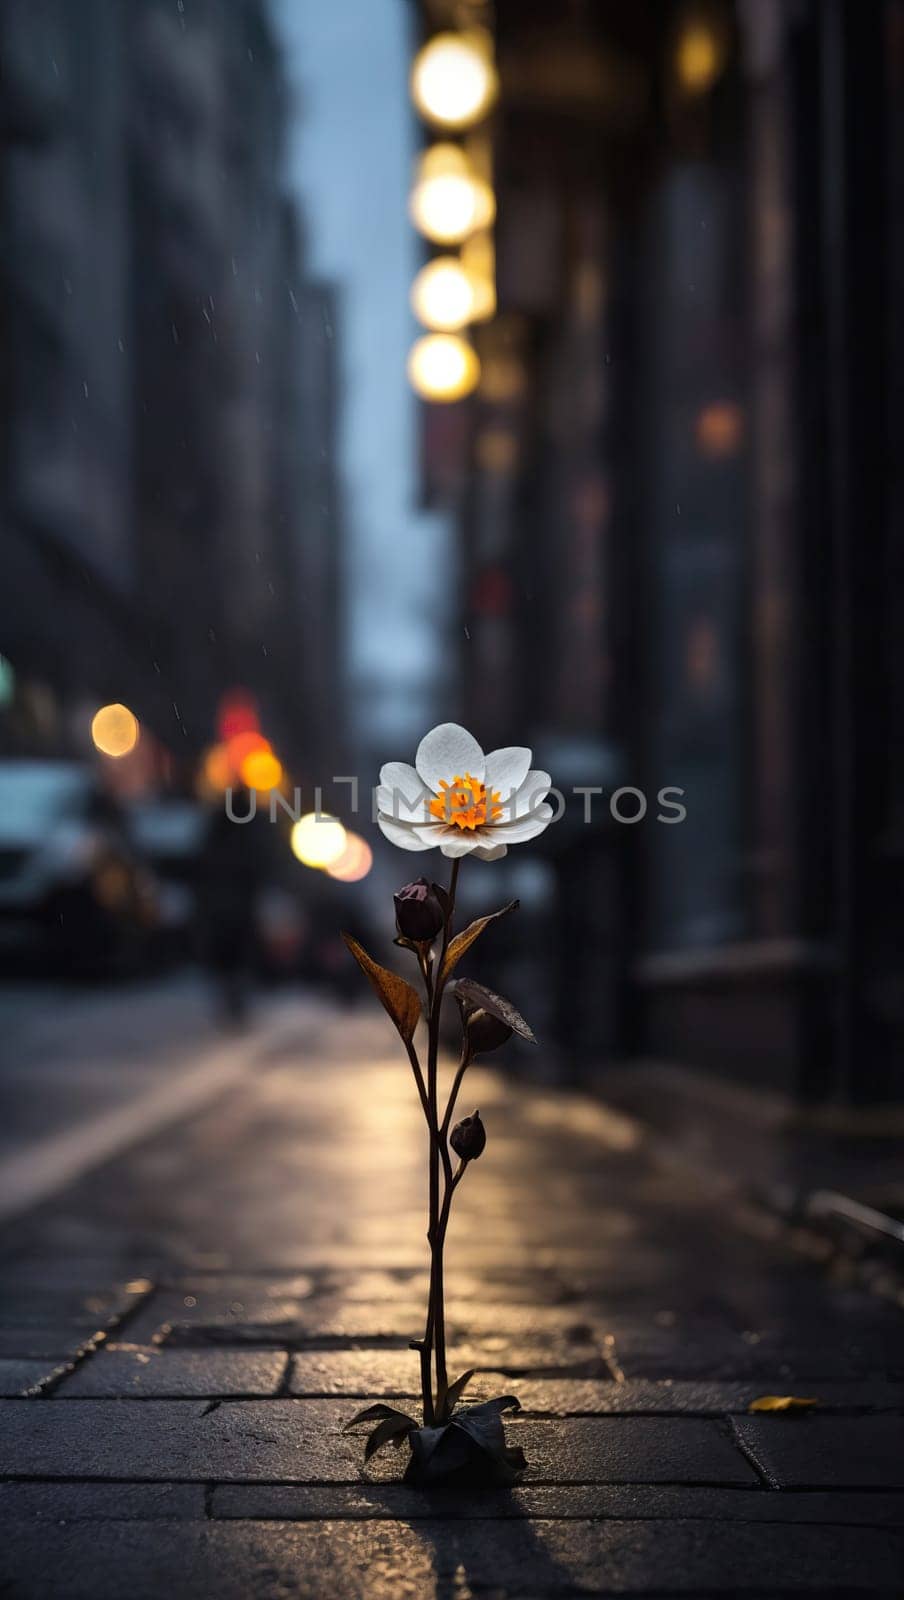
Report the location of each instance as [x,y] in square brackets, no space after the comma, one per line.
[464,803]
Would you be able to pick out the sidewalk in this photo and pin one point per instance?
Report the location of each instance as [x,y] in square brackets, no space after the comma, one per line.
[185,1330]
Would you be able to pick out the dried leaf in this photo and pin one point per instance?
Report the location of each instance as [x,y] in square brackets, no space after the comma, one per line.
[446,1401]
[394,1428]
[782,1402]
[397,996]
[483,1425]
[476,995]
[472,1446]
[371,1413]
[464,940]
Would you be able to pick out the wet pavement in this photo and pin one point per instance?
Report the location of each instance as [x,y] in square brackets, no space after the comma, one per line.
[186,1328]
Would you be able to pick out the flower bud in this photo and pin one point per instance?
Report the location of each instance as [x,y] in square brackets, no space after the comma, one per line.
[419,915]
[468,1138]
[484,1031]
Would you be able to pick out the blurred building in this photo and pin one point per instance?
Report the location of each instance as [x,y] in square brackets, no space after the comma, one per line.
[678,487]
[171,514]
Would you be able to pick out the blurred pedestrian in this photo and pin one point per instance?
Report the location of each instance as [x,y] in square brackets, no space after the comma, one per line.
[233,872]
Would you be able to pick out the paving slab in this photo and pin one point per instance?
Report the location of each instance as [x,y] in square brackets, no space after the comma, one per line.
[52,1344]
[553,1502]
[18,1377]
[302,1441]
[808,1451]
[437,1560]
[101,1502]
[711,1351]
[153,1373]
[590,1397]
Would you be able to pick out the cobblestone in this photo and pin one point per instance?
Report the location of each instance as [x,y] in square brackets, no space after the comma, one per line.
[246,1282]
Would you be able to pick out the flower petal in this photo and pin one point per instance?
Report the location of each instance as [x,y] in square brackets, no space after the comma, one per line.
[392,802]
[401,779]
[490,853]
[525,801]
[402,834]
[458,843]
[448,752]
[526,827]
[507,769]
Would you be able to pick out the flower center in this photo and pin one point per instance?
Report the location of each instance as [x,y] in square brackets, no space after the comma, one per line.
[464,803]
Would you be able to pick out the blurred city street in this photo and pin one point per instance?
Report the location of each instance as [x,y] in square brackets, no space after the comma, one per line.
[451,434]
[187,1325]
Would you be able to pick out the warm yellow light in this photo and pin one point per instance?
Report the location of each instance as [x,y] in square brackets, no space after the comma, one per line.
[479,263]
[261,770]
[453,80]
[216,770]
[503,378]
[699,57]
[442,295]
[355,861]
[449,199]
[115,730]
[318,840]
[443,366]
[719,429]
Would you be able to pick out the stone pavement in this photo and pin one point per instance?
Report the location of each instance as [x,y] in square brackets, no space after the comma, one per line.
[184,1331]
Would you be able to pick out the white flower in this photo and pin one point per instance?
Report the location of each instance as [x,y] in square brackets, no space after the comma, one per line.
[457,798]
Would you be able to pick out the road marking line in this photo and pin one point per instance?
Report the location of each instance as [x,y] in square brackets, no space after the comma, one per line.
[48,1165]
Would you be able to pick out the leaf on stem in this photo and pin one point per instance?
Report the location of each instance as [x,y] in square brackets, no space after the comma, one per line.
[397,996]
[464,940]
[393,1429]
[371,1413]
[496,1005]
[449,1400]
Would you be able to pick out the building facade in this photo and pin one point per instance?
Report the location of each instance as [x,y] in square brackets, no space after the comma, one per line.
[682,565]
[165,387]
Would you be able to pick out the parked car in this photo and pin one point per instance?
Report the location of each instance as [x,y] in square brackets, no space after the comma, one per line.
[168,835]
[71,884]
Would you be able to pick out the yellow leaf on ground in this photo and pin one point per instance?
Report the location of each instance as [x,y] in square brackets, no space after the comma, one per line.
[781,1402]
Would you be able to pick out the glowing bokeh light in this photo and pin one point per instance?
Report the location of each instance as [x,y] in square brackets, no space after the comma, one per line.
[479,263]
[355,861]
[449,199]
[261,770]
[699,56]
[216,769]
[237,713]
[114,730]
[442,295]
[443,366]
[719,429]
[318,840]
[243,745]
[453,80]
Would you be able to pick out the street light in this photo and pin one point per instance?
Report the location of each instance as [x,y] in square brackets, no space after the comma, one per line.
[318,840]
[479,263]
[453,80]
[442,295]
[354,863]
[261,770]
[114,730]
[700,54]
[443,367]
[449,199]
